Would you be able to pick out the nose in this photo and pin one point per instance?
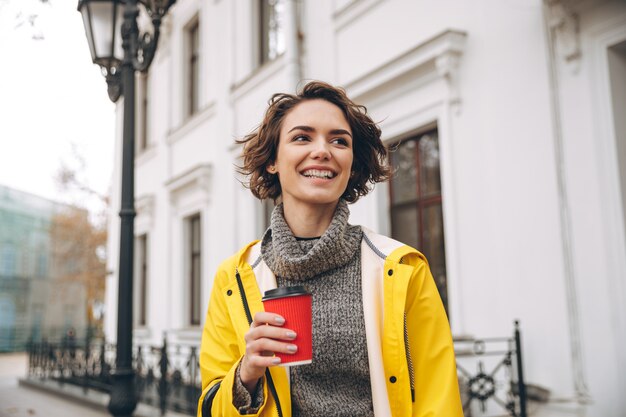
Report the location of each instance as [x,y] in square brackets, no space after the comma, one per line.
[321,150]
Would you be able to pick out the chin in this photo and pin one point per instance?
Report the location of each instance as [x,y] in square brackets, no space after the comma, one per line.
[318,199]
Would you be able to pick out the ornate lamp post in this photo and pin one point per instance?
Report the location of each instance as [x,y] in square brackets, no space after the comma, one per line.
[120,50]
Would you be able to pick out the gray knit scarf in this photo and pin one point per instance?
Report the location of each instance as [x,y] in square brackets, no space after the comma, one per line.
[286,258]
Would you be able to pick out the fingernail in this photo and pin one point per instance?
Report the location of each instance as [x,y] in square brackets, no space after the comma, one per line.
[290,335]
[279,320]
[292,348]
[276,360]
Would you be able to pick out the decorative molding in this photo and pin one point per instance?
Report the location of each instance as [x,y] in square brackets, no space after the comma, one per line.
[145,205]
[554,25]
[447,65]
[564,23]
[443,52]
[197,177]
[190,124]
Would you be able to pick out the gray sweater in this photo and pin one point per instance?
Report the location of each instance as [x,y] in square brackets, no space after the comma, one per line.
[337,383]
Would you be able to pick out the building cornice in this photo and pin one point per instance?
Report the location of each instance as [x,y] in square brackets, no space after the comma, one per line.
[442,52]
[197,178]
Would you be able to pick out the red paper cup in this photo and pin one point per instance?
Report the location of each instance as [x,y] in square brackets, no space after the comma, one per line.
[294,305]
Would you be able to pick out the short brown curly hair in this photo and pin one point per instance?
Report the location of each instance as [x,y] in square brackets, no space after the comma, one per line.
[370,164]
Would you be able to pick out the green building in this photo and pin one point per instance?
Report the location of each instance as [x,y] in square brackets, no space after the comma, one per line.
[34,301]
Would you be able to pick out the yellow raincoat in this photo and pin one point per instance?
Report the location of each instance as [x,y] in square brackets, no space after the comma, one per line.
[410,350]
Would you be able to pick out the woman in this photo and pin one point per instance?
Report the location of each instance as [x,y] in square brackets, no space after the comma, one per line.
[381,340]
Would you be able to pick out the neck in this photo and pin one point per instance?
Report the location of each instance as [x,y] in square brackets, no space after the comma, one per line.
[307,220]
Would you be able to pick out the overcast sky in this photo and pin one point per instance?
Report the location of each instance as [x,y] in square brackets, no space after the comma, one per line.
[51,98]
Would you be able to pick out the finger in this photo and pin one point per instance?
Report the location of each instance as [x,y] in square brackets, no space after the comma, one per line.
[269,332]
[262,361]
[263,317]
[253,368]
[259,346]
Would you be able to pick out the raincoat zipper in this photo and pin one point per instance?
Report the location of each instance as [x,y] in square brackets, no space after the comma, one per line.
[409,361]
[268,375]
[407,351]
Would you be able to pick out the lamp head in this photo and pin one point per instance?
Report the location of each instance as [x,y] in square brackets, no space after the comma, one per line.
[103,20]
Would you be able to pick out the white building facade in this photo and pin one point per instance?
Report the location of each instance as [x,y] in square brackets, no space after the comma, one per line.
[509,122]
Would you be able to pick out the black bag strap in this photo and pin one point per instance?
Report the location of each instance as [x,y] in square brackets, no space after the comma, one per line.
[208,400]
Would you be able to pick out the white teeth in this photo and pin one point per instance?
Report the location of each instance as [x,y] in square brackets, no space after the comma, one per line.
[316,173]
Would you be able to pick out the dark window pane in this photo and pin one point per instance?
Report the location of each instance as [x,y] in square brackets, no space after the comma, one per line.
[195,234]
[195,269]
[405,225]
[430,178]
[144,279]
[432,223]
[404,182]
[194,72]
[196,290]
[141,281]
[434,246]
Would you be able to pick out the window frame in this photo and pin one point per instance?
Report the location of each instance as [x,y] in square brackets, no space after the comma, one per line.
[192,68]
[261,33]
[421,203]
[194,259]
[142,242]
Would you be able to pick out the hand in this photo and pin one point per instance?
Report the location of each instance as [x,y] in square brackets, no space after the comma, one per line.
[262,340]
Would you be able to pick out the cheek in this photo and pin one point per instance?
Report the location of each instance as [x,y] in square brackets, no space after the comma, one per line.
[349,162]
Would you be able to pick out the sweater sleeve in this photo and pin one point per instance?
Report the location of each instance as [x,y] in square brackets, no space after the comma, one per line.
[432,350]
[220,355]
[245,402]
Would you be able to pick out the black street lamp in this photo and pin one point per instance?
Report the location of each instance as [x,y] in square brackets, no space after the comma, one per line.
[105,21]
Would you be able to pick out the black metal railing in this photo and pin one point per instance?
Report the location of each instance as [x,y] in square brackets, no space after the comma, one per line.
[491,375]
[166,376]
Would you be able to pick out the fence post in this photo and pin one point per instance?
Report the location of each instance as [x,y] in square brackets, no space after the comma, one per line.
[30,349]
[520,372]
[104,374]
[163,365]
[193,391]
[47,358]
[87,357]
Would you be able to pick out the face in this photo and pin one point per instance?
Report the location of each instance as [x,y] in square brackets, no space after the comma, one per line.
[314,158]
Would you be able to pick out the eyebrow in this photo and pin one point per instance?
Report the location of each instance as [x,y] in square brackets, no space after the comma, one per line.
[310,129]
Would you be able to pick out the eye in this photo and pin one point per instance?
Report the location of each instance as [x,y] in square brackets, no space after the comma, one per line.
[341,141]
[300,138]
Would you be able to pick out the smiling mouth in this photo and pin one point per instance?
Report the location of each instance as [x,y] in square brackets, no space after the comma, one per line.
[318,173]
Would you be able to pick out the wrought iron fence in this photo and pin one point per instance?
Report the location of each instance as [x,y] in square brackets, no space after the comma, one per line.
[166,376]
[491,375]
